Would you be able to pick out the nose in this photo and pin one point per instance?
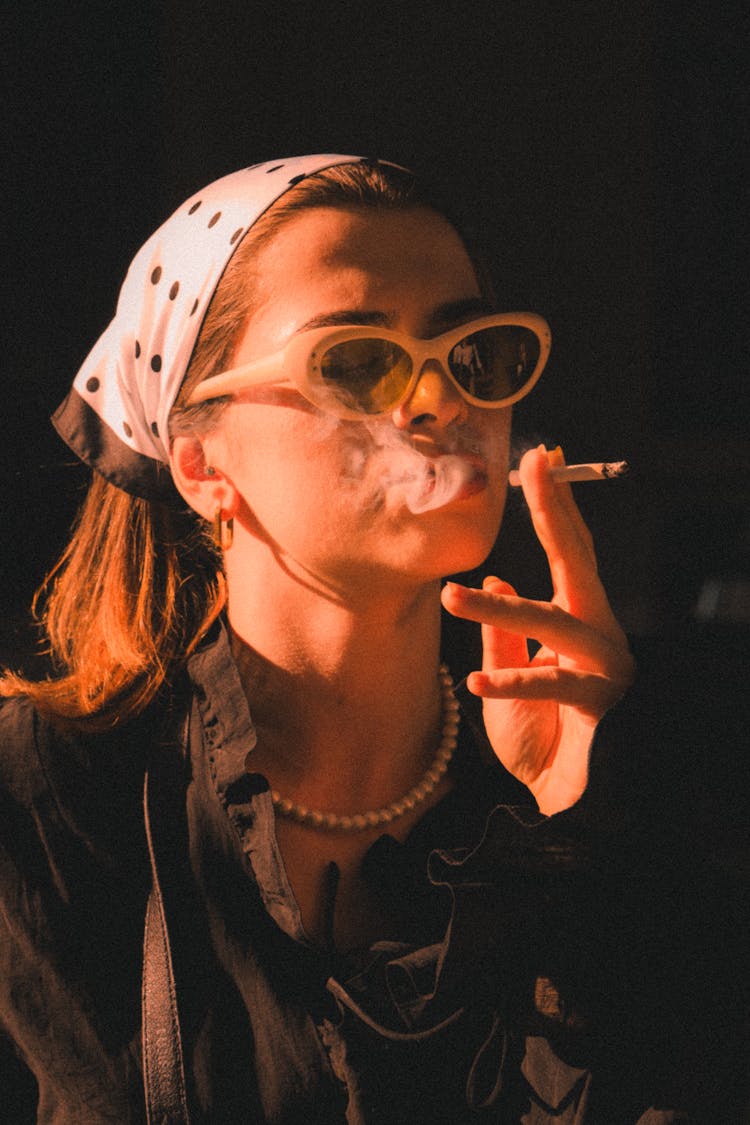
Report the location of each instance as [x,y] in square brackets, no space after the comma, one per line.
[434,400]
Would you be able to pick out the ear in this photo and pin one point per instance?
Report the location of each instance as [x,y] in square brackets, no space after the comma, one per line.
[203,486]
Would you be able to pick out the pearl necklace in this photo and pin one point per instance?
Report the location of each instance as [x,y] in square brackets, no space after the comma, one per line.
[333,822]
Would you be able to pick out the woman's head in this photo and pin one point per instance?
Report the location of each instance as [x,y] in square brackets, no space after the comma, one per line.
[360,244]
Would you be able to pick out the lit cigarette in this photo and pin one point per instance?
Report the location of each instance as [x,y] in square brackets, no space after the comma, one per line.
[594,470]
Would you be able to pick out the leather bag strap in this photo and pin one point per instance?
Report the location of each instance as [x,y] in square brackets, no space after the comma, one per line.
[163,1066]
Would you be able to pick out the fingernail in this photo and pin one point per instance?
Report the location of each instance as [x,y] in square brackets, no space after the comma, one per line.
[494,585]
[476,682]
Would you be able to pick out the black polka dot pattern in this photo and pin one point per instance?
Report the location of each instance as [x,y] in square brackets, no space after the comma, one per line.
[174,290]
[127,430]
[235,236]
[195,306]
[92,385]
[214,219]
[156,276]
[297,179]
[195,207]
[275,168]
[154,429]
[137,350]
[156,363]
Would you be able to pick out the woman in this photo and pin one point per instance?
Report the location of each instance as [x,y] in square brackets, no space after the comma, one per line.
[365,909]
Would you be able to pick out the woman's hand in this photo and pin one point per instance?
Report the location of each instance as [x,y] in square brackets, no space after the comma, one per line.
[540,714]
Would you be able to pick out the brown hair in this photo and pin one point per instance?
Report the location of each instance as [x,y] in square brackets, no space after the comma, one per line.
[139,584]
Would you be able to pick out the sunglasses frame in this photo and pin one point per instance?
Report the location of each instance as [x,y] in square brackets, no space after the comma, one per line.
[298,363]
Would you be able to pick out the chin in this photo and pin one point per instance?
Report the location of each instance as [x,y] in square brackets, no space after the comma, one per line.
[462,560]
[456,544]
[466,531]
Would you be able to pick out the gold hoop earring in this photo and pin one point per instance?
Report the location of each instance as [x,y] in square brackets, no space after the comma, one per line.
[223,531]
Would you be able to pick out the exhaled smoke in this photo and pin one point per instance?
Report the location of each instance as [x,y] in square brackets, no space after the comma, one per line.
[430,483]
[388,459]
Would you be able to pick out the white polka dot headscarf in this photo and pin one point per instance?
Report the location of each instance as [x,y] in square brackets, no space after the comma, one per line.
[116,415]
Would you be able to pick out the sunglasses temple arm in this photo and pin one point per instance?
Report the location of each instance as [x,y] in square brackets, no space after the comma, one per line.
[265,370]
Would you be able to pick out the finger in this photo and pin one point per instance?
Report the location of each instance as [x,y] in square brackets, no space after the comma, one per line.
[551,508]
[546,622]
[500,648]
[571,560]
[587,691]
[567,501]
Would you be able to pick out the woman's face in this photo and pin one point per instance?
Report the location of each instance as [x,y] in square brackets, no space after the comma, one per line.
[331,497]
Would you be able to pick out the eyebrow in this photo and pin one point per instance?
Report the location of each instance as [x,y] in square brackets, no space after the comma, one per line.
[449,313]
[345,316]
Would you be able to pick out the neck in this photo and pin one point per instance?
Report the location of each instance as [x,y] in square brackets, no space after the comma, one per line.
[348,715]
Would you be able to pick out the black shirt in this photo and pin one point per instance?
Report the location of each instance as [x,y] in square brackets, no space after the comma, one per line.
[540,969]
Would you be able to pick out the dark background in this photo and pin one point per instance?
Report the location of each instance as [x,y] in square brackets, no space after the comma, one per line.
[596,148]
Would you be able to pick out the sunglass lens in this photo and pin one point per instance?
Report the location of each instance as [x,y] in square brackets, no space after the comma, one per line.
[367,375]
[495,363]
